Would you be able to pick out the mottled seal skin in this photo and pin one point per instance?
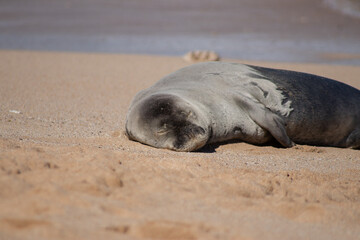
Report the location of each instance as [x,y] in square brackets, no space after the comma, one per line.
[216,101]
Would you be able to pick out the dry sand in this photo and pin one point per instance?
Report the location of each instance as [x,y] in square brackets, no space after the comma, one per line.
[68,172]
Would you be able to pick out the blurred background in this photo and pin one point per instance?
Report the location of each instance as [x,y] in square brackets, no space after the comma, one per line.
[316,31]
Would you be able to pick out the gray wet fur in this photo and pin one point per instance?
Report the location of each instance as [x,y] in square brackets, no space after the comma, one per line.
[216,101]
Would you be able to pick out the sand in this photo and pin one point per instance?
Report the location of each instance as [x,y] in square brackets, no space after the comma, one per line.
[67,171]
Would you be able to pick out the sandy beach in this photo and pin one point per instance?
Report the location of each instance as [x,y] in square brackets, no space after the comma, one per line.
[67,171]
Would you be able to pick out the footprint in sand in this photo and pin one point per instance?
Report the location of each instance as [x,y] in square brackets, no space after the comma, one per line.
[166,230]
[23,223]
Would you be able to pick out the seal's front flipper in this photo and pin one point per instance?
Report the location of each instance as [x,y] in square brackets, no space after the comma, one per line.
[266,119]
[274,124]
[353,140]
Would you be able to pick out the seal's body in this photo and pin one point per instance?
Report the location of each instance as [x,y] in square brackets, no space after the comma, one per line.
[215,101]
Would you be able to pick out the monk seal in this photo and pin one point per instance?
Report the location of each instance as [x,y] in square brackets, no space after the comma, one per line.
[217,101]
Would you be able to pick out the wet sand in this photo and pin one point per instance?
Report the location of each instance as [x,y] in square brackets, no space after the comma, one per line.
[67,171]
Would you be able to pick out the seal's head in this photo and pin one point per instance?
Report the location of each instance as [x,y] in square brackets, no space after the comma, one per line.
[167,121]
